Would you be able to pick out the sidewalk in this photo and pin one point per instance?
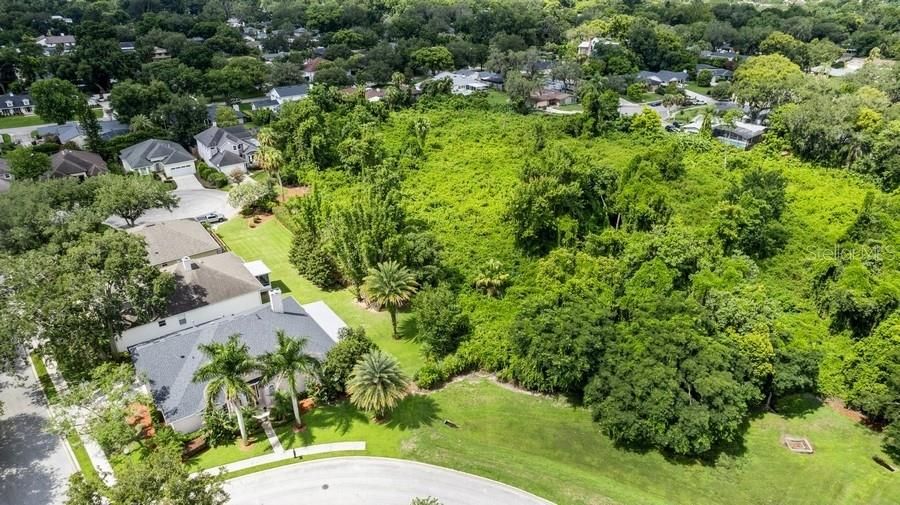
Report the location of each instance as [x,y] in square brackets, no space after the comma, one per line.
[287,454]
[93,449]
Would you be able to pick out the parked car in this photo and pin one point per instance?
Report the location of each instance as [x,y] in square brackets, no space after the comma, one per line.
[212,217]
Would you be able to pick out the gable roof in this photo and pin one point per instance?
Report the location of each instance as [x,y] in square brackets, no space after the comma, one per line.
[169,363]
[292,90]
[53,40]
[65,132]
[209,280]
[313,64]
[215,136]
[715,71]
[67,163]
[212,110]
[140,155]
[17,100]
[662,76]
[173,240]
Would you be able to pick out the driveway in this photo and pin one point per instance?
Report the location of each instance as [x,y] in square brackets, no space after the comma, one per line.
[34,465]
[700,98]
[193,200]
[370,481]
[22,134]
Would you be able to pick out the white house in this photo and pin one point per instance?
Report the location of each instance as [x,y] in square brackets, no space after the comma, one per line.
[311,66]
[155,156]
[207,289]
[283,94]
[227,149]
[467,81]
[50,43]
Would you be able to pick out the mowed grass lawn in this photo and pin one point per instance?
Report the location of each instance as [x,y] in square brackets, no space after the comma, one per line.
[554,450]
[271,242]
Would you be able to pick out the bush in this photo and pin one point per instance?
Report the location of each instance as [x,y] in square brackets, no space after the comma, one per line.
[704,78]
[442,324]
[250,421]
[352,345]
[47,148]
[282,411]
[219,427]
[635,92]
[168,438]
[430,376]
[721,91]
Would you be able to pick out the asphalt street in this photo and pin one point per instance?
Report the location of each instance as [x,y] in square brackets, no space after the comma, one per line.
[370,481]
[34,465]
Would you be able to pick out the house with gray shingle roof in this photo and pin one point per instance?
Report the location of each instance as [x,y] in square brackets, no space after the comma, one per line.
[170,241]
[207,288]
[154,156]
[15,105]
[168,364]
[227,149]
[661,78]
[78,164]
[282,94]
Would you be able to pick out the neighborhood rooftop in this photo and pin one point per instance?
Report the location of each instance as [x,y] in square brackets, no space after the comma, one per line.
[170,241]
[169,362]
[154,150]
[208,280]
[68,163]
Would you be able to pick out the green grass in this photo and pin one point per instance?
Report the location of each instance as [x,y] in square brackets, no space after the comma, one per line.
[271,242]
[218,456]
[645,98]
[696,88]
[571,106]
[81,455]
[497,97]
[20,121]
[687,115]
[285,462]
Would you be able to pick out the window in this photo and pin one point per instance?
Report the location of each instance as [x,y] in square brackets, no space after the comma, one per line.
[25,101]
[162,323]
[182,321]
[9,103]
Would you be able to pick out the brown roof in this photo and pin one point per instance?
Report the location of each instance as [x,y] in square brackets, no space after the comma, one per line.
[170,241]
[67,163]
[313,64]
[209,280]
[549,94]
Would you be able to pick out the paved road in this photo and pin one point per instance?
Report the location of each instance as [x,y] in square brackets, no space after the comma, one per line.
[194,200]
[34,465]
[22,133]
[700,98]
[370,481]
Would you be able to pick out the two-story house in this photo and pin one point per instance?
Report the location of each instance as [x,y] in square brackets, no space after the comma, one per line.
[154,156]
[227,149]
[56,43]
[16,105]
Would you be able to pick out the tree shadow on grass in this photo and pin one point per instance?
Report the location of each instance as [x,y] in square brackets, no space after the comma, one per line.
[282,286]
[339,417]
[797,406]
[414,412]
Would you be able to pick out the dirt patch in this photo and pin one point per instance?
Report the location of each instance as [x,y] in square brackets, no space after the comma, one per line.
[140,417]
[838,406]
[291,192]
[365,306]
[252,223]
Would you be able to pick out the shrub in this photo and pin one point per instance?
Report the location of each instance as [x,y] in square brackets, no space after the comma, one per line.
[704,78]
[352,345]
[430,375]
[250,421]
[282,411]
[635,92]
[168,438]
[442,324]
[47,148]
[721,91]
[219,427]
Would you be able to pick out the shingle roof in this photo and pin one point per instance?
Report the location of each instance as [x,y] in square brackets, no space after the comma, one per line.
[169,363]
[293,90]
[662,76]
[259,104]
[214,136]
[209,280]
[65,132]
[173,240]
[67,163]
[56,39]
[140,155]
[225,159]
[17,100]
[212,109]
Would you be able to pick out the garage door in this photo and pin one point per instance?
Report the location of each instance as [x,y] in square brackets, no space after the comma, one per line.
[182,170]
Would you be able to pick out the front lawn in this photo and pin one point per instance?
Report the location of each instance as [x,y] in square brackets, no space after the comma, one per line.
[20,121]
[217,456]
[572,106]
[271,242]
[696,88]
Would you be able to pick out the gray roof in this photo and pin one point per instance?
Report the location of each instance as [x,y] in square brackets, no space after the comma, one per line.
[225,159]
[111,128]
[261,104]
[722,55]
[65,132]
[214,136]
[662,76]
[293,90]
[57,39]
[209,280]
[173,240]
[169,362]
[140,155]
[67,163]
[17,100]
[715,71]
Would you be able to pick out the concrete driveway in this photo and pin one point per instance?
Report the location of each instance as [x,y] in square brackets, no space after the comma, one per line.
[370,481]
[22,134]
[194,200]
[34,465]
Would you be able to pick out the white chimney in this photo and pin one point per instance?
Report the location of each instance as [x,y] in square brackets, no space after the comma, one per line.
[276,301]
[186,263]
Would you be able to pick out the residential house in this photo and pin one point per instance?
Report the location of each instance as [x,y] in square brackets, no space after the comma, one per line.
[467,81]
[206,289]
[586,47]
[170,241]
[544,98]
[112,128]
[848,64]
[371,94]
[721,54]
[62,133]
[78,164]
[127,47]
[654,80]
[213,108]
[16,105]
[158,156]
[718,74]
[62,19]
[159,53]
[56,43]
[282,94]
[741,135]
[227,149]
[311,66]
[169,363]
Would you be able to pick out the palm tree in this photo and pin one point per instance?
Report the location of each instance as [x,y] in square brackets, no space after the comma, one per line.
[288,361]
[706,126]
[140,123]
[390,285]
[269,157]
[491,279]
[224,374]
[376,383]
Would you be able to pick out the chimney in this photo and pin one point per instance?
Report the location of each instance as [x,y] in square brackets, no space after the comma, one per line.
[276,301]
[186,263]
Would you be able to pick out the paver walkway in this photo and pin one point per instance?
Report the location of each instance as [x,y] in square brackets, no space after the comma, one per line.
[287,454]
[273,437]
